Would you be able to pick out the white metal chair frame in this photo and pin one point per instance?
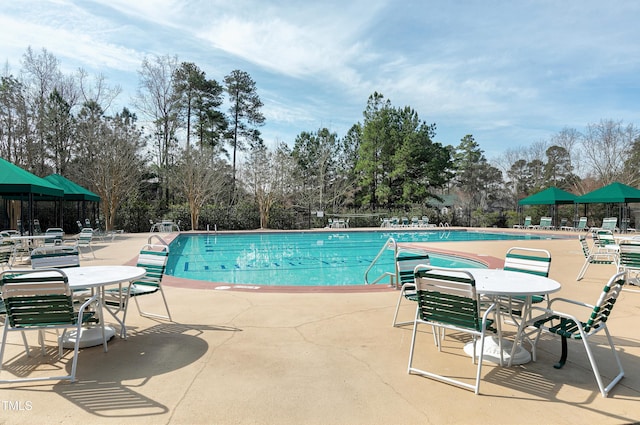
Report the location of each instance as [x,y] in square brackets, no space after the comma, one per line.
[49,300]
[568,326]
[154,259]
[406,261]
[593,255]
[447,299]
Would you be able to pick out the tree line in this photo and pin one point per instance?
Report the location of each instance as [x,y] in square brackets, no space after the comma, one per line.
[190,148]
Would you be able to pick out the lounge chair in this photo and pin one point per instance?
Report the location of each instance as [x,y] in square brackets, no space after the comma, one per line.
[582,225]
[545,223]
[525,225]
[608,223]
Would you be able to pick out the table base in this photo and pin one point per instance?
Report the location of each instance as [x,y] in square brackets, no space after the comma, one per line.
[492,351]
[89,337]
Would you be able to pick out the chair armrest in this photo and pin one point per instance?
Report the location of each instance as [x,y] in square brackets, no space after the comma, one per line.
[569,301]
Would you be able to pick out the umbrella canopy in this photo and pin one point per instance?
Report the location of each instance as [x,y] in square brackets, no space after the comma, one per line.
[14,181]
[615,193]
[549,196]
[72,190]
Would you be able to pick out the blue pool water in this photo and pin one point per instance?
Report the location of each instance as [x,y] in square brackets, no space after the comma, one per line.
[304,258]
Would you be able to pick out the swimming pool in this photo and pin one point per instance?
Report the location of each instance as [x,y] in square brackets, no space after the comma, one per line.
[304,258]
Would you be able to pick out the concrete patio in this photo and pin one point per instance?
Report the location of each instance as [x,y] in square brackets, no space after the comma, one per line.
[322,356]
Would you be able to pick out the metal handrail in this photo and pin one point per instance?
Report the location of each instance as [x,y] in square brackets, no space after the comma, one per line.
[162,241]
[389,244]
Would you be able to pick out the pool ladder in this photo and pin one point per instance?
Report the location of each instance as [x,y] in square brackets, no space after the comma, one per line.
[389,244]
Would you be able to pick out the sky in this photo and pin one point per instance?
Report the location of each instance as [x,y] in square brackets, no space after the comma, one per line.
[510,73]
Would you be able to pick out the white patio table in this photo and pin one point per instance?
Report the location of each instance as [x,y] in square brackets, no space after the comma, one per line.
[498,284]
[97,278]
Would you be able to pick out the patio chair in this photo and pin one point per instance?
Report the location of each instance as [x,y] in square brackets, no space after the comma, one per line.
[19,227]
[39,303]
[629,260]
[593,256]
[545,223]
[84,239]
[59,257]
[528,260]
[36,227]
[582,225]
[447,300]
[153,258]
[609,223]
[55,236]
[525,225]
[5,256]
[604,241]
[406,262]
[568,326]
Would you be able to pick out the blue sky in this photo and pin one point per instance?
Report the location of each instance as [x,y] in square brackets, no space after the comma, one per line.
[510,73]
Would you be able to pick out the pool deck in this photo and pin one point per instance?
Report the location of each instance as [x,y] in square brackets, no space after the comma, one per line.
[319,356]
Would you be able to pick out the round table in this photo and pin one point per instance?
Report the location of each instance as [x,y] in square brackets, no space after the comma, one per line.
[97,277]
[505,283]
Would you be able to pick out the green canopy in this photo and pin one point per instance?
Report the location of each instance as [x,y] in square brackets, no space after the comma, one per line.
[72,190]
[549,196]
[615,193]
[14,181]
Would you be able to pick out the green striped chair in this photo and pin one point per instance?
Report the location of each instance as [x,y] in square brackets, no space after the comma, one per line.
[84,240]
[447,300]
[153,258]
[527,260]
[37,302]
[568,326]
[594,256]
[406,261]
[59,257]
[629,260]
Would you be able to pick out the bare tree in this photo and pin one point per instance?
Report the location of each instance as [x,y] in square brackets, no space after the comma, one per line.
[267,176]
[199,178]
[114,173]
[98,90]
[606,145]
[158,100]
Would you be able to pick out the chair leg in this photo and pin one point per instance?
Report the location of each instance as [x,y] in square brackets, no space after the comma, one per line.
[563,355]
[152,315]
[583,270]
[403,292]
[604,390]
